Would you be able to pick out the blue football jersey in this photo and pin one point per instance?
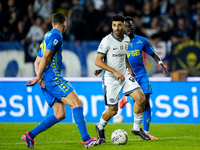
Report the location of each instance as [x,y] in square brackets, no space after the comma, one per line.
[134,53]
[52,40]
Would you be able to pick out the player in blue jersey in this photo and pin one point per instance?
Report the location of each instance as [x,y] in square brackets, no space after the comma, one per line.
[56,90]
[134,53]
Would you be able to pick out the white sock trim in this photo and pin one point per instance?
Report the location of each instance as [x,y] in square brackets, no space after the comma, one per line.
[101,125]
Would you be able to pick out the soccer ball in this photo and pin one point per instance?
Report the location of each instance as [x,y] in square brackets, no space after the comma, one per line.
[119,137]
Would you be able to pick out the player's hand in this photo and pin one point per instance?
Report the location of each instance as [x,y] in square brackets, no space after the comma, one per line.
[41,83]
[164,69]
[97,72]
[32,82]
[119,76]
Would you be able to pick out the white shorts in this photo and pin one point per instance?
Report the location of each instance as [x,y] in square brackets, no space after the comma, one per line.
[111,90]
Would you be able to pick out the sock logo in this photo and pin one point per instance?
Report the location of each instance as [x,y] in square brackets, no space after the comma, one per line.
[148,120]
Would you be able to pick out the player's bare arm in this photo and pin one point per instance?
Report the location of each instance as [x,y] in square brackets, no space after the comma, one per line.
[43,63]
[159,61]
[36,64]
[100,63]
[130,69]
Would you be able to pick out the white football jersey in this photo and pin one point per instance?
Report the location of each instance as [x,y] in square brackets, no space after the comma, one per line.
[115,55]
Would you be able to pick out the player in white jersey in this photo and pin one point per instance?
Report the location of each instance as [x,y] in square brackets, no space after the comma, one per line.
[112,58]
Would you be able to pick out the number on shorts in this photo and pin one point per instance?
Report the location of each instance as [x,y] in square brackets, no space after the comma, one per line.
[132,79]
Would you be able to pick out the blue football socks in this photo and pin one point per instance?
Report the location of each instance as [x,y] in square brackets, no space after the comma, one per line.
[45,124]
[147,118]
[80,122]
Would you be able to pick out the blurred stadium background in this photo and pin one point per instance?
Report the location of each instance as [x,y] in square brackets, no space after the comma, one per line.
[171,26]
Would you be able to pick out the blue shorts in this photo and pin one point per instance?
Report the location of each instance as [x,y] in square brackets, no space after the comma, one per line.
[145,86]
[55,89]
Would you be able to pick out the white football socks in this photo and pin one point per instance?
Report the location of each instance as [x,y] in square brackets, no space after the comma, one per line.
[137,121]
[101,125]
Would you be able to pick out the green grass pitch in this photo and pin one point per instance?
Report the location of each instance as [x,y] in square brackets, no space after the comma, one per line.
[65,136]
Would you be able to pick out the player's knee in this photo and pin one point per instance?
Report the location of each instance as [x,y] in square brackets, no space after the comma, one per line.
[60,116]
[77,103]
[141,100]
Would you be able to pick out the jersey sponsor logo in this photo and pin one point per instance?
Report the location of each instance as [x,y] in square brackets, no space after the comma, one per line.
[118,55]
[139,42]
[55,42]
[133,53]
[114,48]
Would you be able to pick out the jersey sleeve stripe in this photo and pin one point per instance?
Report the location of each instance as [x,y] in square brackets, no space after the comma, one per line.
[100,53]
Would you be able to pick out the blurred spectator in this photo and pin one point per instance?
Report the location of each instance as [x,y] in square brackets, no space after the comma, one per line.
[193,4]
[156,6]
[104,27]
[5,34]
[43,8]
[167,23]
[165,5]
[179,13]
[64,7]
[160,35]
[98,5]
[129,10]
[147,15]
[29,17]
[193,17]
[196,28]
[93,18]
[181,32]
[137,4]
[152,29]
[35,33]
[13,15]
[19,34]
[138,24]
[76,21]
[184,4]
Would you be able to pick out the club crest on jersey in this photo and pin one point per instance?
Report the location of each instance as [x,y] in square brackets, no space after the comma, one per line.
[121,47]
[131,45]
